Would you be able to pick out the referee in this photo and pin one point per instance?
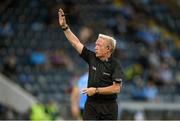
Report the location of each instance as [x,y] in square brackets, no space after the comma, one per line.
[105,75]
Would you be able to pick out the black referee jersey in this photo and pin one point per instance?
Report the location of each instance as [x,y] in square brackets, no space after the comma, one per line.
[102,74]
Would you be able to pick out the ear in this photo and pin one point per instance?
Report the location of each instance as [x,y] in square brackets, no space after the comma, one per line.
[109,48]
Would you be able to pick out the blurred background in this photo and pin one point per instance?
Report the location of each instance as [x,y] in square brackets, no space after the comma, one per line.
[38,65]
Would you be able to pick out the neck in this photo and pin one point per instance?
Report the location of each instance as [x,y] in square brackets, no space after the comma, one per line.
[105,58]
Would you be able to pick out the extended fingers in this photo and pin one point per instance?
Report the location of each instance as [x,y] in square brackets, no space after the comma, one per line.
[61,12]
[84,91]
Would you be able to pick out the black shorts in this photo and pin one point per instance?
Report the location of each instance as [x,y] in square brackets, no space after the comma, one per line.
[100,110]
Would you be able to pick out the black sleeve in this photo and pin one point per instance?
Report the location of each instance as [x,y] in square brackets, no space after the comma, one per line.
[87,55]
[117,75]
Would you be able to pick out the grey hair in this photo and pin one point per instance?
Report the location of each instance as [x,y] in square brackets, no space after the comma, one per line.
[110,39]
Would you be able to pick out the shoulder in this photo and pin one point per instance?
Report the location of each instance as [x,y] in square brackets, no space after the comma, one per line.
[115,62]
[86,51]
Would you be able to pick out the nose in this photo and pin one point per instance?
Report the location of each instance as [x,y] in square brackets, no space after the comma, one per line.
[96,48]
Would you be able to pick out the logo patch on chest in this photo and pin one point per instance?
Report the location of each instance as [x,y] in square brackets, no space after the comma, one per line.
[106,74]
[94,68]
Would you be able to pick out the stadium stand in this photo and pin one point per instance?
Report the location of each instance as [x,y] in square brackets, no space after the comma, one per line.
[36,55]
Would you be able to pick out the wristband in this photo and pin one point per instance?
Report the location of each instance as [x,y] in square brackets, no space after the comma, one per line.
[65,28]
[97,91]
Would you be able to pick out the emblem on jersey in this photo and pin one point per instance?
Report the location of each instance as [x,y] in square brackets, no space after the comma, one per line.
[106,73]
[94,68]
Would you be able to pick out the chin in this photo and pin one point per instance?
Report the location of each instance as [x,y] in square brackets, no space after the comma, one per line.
[97,55]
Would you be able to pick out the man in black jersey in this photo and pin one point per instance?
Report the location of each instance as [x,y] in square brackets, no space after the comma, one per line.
[105,75]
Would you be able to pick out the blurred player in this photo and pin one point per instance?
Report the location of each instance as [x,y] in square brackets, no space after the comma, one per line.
[77,98]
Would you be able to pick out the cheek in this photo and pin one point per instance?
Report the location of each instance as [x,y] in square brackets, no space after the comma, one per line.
[103,50]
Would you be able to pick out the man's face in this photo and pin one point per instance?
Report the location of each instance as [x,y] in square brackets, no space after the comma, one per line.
[101,47]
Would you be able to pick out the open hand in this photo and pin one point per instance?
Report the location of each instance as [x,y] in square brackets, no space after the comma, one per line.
[89,91]
[62,19]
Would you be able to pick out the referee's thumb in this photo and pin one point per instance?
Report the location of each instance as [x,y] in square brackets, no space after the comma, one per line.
[84,91]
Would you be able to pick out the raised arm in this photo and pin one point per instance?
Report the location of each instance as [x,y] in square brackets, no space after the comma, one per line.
[68,33]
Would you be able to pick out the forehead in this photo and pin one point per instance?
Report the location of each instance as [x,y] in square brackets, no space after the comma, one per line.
[101,40]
